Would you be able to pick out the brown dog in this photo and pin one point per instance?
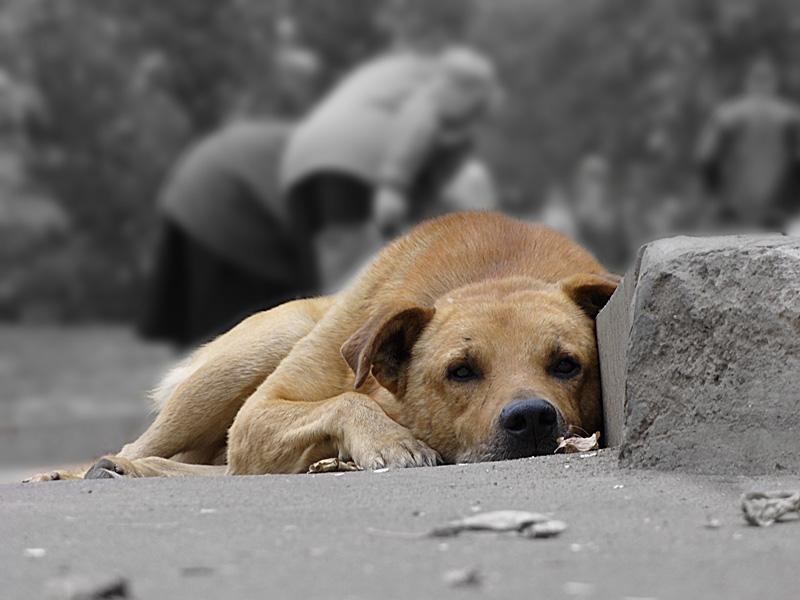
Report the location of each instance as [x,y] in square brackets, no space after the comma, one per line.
[471,338]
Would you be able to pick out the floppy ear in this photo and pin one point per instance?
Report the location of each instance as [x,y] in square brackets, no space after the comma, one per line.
[589,291]
[383,346]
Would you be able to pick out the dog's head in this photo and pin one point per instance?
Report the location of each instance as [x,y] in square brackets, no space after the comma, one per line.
[494,370]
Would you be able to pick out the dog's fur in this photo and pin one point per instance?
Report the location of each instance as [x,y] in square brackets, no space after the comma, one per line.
[410,365]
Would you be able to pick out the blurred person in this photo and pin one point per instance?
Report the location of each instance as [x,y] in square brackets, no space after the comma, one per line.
[379,150]
[472,188]
[228,244]
[590,213]
[225,248]
[558,213]
[749,154]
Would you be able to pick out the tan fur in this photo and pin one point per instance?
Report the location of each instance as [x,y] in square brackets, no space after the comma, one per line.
[363,375]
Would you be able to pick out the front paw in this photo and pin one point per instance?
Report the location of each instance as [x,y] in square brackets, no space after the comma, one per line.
[112,467]
[394,452]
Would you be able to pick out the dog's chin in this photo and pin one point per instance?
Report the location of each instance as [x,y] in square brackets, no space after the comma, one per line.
[504,449]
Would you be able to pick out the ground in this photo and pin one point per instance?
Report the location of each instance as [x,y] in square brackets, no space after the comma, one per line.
[631,534]
[71,393]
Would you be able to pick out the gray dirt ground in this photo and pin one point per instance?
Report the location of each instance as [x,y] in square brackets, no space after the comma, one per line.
[71,393]
[631,535]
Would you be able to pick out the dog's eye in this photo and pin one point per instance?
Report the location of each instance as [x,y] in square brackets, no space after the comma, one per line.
[565,368]
[462,372]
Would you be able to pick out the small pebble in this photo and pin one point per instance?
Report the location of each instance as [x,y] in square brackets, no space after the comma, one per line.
[196,571]
[462,577]
[87,588]
[578,588]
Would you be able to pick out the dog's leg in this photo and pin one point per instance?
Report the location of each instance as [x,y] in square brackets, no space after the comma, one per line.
[274,436]
[76,472]
[201,409]
[213,385]
[153,466]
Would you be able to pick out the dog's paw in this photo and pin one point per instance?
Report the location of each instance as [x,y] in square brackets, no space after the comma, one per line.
[51,476]
[111,468]
[395,454]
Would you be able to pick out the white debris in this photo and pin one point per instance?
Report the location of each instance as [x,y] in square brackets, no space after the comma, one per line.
[579,589]
[498,520]
[579,444]
[545,530]
[469,577]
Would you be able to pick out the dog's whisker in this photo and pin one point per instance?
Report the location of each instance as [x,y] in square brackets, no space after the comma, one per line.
[577,429]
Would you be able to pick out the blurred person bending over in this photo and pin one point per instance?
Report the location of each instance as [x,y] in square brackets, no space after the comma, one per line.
[225,249]
[380,149]
[228,244]
[749,154]
[589,211]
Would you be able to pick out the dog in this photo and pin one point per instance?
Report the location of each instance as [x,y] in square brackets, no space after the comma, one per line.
[471,338]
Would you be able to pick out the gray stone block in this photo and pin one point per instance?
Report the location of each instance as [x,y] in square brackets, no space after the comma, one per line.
[700,356]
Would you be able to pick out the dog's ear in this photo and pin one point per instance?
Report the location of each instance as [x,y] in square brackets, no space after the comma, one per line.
[383,345]
[590,292]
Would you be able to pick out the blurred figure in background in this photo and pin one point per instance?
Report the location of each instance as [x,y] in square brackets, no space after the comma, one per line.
[749,154]
[379,150]
[589,212]
[228,247]
[472,188]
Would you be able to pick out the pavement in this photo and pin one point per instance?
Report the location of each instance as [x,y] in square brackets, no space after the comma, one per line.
[631,535]
[68,394]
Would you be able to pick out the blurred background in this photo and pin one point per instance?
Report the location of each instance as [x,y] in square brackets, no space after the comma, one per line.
[169,167]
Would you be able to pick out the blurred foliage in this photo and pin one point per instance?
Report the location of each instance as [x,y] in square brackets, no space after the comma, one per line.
[123,85]
[632,80]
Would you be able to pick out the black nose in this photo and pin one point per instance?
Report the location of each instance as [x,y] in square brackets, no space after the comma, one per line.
[533,420]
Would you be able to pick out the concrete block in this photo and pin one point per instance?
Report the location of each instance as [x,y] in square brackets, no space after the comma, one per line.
[700,356]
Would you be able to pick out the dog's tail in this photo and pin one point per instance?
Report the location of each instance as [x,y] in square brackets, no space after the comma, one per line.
[177,374]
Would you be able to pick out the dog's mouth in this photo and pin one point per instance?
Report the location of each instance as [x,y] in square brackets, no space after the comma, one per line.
[503,446]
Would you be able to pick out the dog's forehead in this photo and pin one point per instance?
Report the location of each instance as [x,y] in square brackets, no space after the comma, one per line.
[544,312]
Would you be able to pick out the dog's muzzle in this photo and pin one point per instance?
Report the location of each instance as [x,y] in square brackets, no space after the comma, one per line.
[527,427]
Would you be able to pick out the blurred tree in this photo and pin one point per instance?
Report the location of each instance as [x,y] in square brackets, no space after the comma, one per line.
[630,80]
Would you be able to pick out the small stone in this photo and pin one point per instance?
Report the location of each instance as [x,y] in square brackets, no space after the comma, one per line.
[579,589]
[88,588]
[469,577]
[196,571]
